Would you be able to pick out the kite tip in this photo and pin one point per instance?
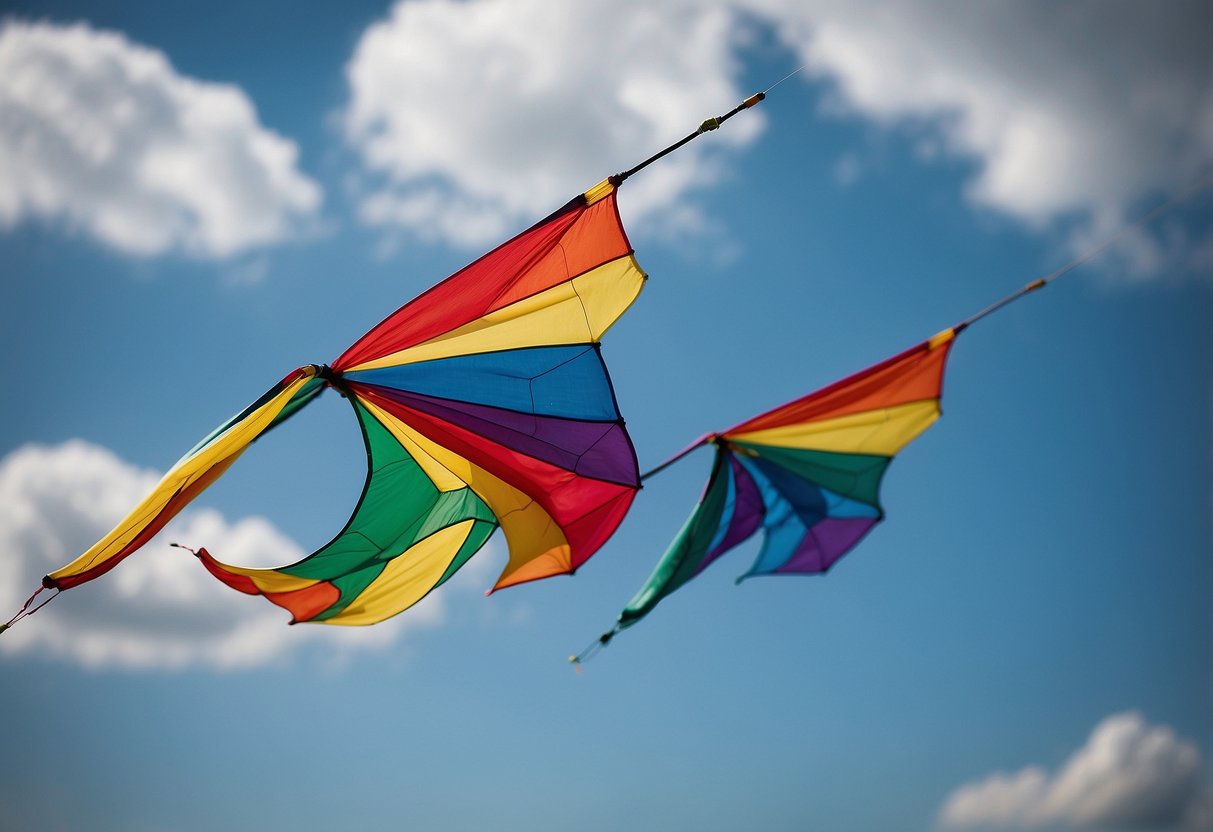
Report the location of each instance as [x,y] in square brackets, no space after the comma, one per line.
[3,627]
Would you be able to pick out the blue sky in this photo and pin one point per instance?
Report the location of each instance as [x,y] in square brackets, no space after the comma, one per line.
[196,199]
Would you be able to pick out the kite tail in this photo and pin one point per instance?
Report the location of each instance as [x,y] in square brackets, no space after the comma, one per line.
[25,610]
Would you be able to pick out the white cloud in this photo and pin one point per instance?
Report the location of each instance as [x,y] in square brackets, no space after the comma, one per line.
[481,116]
[1129,775]
[159,607]
[1077,110]
[106,137]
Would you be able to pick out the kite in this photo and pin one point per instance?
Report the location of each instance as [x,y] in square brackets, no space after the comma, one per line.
[807,474]
[484,402]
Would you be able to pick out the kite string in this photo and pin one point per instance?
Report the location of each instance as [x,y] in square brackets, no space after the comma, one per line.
[24,607]
[25,611]
[795,71]
[1141,222]
[593,647]
[703,440]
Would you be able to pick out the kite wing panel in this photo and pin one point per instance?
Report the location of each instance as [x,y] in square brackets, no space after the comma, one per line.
[484,402]
[578,311]
[573,241]
[688,552]
[911,376]
[189,477]
[412,510]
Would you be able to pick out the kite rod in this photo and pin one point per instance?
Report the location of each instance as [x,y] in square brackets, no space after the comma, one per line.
[707,126]
[703,440]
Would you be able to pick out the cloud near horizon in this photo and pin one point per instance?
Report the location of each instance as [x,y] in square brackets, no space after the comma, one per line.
[1128,775]
[102,136]
[158,608]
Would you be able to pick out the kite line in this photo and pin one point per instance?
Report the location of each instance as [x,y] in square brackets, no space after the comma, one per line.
[25,611]
[1141,222]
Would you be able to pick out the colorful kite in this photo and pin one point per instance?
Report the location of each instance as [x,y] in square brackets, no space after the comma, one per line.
[483,402]
[807,474]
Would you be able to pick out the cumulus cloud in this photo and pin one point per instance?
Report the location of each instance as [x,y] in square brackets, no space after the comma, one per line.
[1129,775]
[480,116]
[1076,109]
[104,136]
[158,608]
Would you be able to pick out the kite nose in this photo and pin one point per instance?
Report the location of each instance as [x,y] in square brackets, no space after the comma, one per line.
[331,377]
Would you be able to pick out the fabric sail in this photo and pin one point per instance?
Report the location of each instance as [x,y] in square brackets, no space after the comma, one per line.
[484,402]
[807,474]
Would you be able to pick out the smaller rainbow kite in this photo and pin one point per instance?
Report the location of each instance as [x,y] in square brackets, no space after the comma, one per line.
[807,474]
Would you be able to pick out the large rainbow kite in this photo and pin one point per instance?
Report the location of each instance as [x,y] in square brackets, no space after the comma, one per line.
[484,402]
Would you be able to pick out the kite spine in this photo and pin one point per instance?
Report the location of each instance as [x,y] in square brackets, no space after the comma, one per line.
[706,126]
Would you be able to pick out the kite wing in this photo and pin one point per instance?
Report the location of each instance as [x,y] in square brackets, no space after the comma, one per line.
[807,474]
[482,402]
[204,464]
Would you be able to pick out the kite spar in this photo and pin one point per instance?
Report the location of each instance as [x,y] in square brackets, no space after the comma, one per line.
[483,403]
